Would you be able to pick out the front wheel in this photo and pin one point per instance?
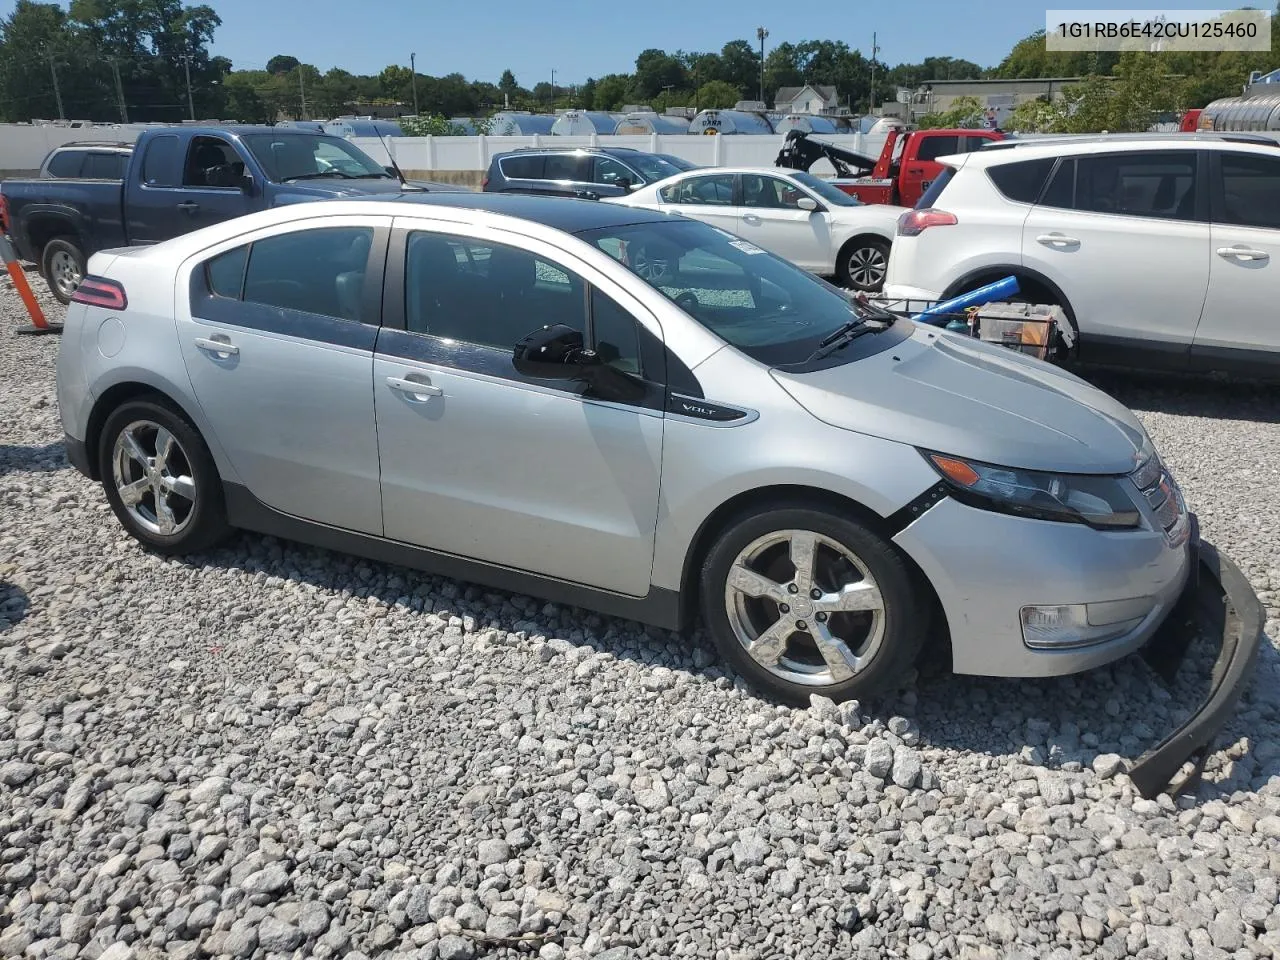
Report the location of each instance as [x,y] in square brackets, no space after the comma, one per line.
[160,479]
[63,266]
[864,264]
[802,601]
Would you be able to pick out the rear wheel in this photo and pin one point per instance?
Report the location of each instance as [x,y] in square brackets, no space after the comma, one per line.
[63,266]
[801,601]
[160,479]
[863,264]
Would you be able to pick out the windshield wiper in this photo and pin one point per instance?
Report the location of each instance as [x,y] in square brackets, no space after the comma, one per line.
[848,332]
[318,175]
[371,176]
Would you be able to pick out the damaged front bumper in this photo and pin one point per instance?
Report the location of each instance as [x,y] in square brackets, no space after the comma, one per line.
[1219,600]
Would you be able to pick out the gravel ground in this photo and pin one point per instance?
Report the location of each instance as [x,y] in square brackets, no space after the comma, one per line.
[274,751]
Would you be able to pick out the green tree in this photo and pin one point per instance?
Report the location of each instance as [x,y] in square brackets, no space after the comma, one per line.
[281,63]
[655,71]
[612,91]
[964,112]
[740,65]
[717,95]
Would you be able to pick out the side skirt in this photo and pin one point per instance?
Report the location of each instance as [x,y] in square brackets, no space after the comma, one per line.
[659,608]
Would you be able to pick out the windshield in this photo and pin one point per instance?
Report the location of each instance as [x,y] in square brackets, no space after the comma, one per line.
[766,307]
[294,156]
[680,163]
[651,166]
[829,194]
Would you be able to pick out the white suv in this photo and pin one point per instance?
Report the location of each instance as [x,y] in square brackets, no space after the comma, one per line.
[1164,251]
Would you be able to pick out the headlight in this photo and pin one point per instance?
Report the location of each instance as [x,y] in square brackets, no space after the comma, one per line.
[1099,501]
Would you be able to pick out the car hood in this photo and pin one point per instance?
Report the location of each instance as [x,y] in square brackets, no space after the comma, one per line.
[950,394]
[329,189]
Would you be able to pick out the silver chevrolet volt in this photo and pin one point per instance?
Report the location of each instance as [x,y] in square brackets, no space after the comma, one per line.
[631,412]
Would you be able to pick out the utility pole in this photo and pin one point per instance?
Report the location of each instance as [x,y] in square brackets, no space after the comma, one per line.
[57,91]
[191,103]
[875,52]
[115,72]
[761,33]
[553,88]
[302,90]
[413,69]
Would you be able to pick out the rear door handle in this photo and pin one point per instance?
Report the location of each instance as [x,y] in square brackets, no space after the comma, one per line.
[1057,240]
[1243,253]
[224,348]
[415,391]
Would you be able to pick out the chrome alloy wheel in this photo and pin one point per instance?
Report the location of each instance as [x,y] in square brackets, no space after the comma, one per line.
[804,607]
[651,269]
[867,267]
[153,477]
[64,272]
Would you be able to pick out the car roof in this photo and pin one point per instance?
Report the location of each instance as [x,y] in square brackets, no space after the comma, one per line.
[559,213]
[565,149]
[99,144]
[1004,151]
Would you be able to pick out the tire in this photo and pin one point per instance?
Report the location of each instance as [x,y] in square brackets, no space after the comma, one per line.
[63,264]
[186,482]
[864,262]
[764,600]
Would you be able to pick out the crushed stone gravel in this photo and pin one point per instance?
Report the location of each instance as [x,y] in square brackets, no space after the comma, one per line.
[275,751]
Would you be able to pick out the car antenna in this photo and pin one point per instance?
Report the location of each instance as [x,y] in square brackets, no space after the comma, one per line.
[391,156]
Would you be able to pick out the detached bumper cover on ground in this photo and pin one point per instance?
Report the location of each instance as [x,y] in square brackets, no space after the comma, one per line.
[1217,600]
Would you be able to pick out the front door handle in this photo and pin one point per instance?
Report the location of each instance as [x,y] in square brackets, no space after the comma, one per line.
[221,346]
[750,218]
[415,391]
[1057,240]
[188,206]
[1243,253]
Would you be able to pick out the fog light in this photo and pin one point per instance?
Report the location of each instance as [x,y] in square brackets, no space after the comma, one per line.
[1068,625]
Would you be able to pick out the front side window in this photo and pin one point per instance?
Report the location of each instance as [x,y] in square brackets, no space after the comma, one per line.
[160,165]
[473,291]
[290,157]
[715,190]
[830,195]
[769,192]
[608,170]
[66,164]
[768,308]
[1250,191]
[313,271]
[931,148]
[654,167]
[1148,184]
[211,162]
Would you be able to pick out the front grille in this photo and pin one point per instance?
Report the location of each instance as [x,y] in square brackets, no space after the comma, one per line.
[1161,492]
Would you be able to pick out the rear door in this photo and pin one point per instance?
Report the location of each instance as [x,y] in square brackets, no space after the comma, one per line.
[152,197]
[1239,323]
[1125,236]
[567,174]
[713,198]
[277,334]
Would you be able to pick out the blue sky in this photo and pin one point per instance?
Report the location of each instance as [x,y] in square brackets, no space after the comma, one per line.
[578,39]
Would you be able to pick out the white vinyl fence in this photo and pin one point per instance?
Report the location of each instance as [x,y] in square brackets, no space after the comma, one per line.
[474,153]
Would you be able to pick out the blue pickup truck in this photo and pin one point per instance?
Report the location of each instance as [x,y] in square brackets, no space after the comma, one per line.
[180,179]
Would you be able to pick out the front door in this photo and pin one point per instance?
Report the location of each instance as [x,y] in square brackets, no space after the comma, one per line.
[278,337]
[1125,237]
[184,191]
[1239,321]
[481,462]
[771,218]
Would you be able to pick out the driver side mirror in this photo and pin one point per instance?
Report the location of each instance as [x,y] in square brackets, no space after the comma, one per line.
[807,203]
[553,352]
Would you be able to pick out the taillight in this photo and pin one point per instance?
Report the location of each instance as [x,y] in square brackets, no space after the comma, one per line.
[4,213]
[484,182]
[914,222]
[100,292]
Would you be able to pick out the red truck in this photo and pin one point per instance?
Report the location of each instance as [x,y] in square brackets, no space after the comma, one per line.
[906,166]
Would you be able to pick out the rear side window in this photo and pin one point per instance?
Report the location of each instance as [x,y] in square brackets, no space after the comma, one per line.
[931,148]
[1250,191]
[715,190]
[522,168]
[564,166]
[930,197]
[1148,184]
[1021,181]
[313,271]
[66,163]
[160,164]
[105,166]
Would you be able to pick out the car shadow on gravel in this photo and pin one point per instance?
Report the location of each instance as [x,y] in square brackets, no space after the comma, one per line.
[1191,396]
[14,604]
[44,458]
[1054,723]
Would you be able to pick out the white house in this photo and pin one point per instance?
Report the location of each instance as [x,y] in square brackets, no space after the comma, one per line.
[811,98]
